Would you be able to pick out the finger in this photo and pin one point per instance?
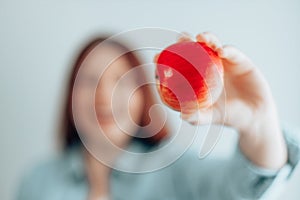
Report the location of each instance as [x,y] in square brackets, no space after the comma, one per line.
[156,58]
[210,40]
[184,37]
[231,53]
[198,117]
[235,60]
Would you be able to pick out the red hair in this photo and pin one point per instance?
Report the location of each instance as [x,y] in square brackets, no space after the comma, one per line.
[70,135]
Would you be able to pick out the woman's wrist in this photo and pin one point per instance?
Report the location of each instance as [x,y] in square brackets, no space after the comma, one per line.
[263,143]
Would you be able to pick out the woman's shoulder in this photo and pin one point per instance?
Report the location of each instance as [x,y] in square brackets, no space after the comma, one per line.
[54,165]
[45,174]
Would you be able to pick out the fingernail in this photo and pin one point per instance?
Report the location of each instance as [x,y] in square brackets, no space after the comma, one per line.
[221,52]
[184,116]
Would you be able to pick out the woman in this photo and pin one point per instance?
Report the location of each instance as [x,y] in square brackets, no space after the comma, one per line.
[264,158]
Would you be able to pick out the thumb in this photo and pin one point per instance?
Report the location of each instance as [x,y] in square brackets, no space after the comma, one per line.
[210,115]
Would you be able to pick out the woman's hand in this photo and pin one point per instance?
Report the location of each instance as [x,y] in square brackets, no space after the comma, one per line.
[248,106]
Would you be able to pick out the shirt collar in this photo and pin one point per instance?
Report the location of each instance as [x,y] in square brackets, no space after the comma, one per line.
[75,159]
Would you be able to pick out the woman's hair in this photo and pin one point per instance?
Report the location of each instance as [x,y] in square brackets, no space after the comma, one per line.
[68,130]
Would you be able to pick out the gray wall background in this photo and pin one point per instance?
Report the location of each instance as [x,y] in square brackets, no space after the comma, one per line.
[38,40]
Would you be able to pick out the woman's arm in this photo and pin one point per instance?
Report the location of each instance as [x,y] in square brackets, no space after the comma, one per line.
[267,152]
[249,107]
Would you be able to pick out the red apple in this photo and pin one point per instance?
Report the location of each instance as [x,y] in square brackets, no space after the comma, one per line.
[190,76]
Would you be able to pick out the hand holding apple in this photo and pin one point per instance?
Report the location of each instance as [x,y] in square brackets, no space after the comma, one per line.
[248,107]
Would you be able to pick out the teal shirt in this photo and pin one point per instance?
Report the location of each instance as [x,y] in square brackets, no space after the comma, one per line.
[188,177]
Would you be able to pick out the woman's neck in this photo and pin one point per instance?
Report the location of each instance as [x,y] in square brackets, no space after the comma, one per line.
[98,176]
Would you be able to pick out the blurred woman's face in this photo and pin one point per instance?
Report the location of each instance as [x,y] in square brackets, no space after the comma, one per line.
[114,104]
